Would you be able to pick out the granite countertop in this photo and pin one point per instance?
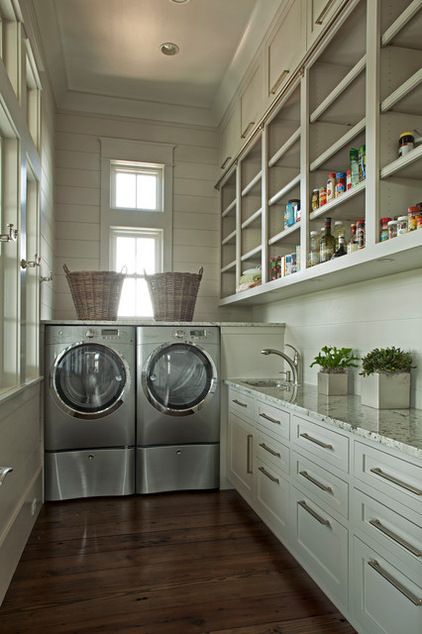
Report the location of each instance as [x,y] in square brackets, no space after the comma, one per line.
[151,322]
[398,429]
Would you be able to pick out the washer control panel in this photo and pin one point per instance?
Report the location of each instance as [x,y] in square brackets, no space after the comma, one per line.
[188,334]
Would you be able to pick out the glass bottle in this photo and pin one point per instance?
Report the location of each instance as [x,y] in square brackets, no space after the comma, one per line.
[327,243]
[313,257]
[341,249]
[339,231]
[353,244]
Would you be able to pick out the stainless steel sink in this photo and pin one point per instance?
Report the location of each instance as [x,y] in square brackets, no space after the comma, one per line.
[282,385]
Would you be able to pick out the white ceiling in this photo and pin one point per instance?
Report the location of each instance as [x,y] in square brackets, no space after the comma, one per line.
[112,47]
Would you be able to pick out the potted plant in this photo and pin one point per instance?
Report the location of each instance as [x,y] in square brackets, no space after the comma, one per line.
[333,376]
[386,378]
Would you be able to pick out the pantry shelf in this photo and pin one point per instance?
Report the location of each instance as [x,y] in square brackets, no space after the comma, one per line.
[252,183]
[230,239]
[253,219]
[228,267]
[229,208]
[284,148]
[338,145]
[408,166]
[250,254]
[402,91]
[340,203]
[284,234]
[409,15]
[284,190]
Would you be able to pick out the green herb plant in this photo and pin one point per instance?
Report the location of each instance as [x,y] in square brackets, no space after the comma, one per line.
[386,361]
[334,360]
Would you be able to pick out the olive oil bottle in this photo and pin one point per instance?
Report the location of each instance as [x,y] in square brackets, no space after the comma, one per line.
[327,243]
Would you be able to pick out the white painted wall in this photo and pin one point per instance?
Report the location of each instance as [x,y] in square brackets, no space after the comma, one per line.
[383,312]
[195,201]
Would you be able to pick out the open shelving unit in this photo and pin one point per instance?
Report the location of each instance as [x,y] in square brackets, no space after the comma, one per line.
[361,86]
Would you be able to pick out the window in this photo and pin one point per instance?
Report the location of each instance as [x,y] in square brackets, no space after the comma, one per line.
[135,251]
[136,186]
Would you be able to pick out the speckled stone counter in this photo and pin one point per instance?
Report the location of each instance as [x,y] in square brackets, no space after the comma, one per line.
[398,429]
[151,322]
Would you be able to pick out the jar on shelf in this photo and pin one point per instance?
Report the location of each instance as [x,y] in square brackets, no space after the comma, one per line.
[420,221]
[384,235]
[315,199]
[313,257]
[322,196]
[331,186]
[392,229]
[348,179]
[360,233]
[401,225]
[406,143]
[413,214]
[340,183]
[353,243]
[339,231]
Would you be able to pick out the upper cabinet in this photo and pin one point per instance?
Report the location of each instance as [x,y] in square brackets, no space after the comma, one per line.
[319,14]
[230,137]
[286,46]
[251,101]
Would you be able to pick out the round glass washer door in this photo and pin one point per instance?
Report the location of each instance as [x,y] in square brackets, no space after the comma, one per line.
[179,378]
[89,380]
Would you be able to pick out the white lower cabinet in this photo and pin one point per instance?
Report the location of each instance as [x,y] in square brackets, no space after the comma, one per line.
[241,455]
[272,497]
[321,543]
[385,599]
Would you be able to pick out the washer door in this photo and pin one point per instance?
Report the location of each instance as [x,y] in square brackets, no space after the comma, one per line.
[89,380]
[179,378]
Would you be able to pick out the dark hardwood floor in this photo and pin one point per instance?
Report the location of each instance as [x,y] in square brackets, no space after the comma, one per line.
[165,564]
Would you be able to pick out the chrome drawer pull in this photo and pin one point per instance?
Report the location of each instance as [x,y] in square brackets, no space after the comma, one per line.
[248,127]
[224,163]
[321,486]
[278,81]
[396,538]
[399,586]
[271,477]
[272,420]
[4,471]
[316,441]
[320,19]
[271,451]
[248,453]
[239,403]
[379,472]
[314,514]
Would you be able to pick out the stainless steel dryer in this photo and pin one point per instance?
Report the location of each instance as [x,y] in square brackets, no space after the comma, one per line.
[89,411]
[178,408]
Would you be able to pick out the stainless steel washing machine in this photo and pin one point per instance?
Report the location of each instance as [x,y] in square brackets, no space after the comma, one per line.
[89,411]
[178,408]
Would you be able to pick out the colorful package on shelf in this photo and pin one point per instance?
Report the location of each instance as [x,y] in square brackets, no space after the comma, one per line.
[362,162]
[354,166]
[249,279]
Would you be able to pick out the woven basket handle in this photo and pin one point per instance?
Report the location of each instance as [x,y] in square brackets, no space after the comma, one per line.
[201,270]
[66,269]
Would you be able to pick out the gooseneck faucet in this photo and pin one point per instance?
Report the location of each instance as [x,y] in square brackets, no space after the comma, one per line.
[293,363]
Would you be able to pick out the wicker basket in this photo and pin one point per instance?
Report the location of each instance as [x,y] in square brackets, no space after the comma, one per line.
[96,294]
[173,295]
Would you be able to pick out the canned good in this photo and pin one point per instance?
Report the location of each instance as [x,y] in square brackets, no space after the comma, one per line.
[384,235]
[322,196]
[315,199]
[406,143]
[340,183]
[401,225]
[392,229]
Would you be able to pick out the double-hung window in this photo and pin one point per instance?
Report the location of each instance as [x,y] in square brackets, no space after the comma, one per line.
[136,186]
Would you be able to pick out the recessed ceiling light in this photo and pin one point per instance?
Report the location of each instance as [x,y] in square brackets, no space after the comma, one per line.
[169,48]
[179,1]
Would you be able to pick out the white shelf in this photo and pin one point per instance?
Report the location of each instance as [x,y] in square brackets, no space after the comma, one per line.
[340,202]
[284,190]
[252,184]
[284,234]
[400,254]
[402,91]
[338,145]
[250,254]
[398,25]
[357,69]
[284,148]
[252,219]
[230,239]
[229,208]
[408,166]
[229,267]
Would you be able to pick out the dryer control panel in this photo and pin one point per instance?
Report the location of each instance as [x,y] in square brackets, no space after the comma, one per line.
[186,334]
[103,334]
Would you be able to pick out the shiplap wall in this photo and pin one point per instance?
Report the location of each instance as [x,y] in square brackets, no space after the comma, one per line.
[379,313]
[46,200]
[195,201]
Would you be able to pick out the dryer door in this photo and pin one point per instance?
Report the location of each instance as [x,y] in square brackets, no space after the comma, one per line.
[89,380]
[179,378]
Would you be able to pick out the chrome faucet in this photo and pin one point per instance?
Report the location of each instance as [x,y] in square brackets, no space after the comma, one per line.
[293,364]
[297,360]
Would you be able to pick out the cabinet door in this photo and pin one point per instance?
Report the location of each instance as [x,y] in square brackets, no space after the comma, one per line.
[319,13]
[272,497]
[241,455]
[251,102]
[286,47]
[230,138]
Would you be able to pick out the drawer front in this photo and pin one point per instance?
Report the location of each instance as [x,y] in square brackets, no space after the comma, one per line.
[329,490]
[273,452]
[385,600]
[322,545]
[331,447]
[272,495]
[274,420]
[396,478]
[390,529]
[242,404]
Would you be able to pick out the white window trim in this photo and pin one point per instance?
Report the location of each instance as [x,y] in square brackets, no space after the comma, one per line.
[116,232]
[143,152]
[136,167]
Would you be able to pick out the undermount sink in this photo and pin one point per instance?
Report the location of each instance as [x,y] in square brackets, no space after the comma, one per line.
[282,385]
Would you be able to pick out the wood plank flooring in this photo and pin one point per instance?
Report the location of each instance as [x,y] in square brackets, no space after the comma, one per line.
[200,563]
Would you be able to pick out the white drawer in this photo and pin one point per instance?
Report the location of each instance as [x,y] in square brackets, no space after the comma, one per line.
[326,488]
[392,530]
[396,478]
[274,420]
[272,495]
[330,446]
[385,600]
[322,546]
[273,452]
[242,404]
